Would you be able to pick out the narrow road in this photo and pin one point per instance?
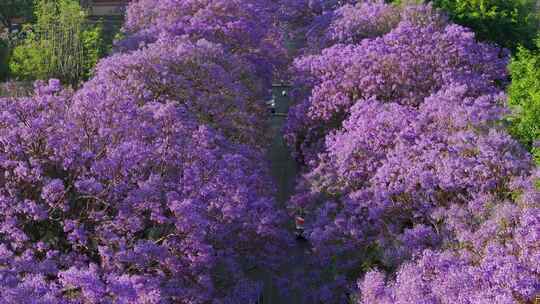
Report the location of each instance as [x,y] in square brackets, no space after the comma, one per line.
[282,165]
[283,170]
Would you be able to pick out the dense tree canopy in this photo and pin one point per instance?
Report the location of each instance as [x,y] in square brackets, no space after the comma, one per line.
[60,44]
[146,185]
[94,209]
[496,262]
[407,165]
[524,93]
[149,183]
[428,56]
[508,23]
[245,27]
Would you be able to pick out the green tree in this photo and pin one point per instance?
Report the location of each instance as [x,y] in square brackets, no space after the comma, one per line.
[61,44]
[94,47]
[27,61]
[524,98]
[508,23]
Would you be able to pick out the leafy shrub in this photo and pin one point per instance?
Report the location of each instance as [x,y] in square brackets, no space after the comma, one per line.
[61,44]
[94,48]
[524,98]
[508,23]
[28,59]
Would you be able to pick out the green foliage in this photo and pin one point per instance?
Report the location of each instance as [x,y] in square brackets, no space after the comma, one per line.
[94,48]
[61,44]
[508,23]
[27,61]
[524,98]
[404,2]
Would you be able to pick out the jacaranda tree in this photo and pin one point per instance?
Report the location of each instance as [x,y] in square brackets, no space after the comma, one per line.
[148,184]
[404,157]
[495,260]
[245,28]
[215,85]
[428,55]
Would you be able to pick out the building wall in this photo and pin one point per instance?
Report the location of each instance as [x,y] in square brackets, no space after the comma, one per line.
[104,8]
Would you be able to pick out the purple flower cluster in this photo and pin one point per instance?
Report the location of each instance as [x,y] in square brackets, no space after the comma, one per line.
[404,66]
[321,24]
[408,168]
[247,28]
[352,23]
[213,84]
[241,25]
[107,201]
[306,22]
[495,261]
[148,184]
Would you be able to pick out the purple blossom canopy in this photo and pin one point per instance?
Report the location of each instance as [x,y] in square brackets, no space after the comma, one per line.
[95,209]
[216,86]
[406,65]
[497,262]
[407,166]
[247,28]
[150,183]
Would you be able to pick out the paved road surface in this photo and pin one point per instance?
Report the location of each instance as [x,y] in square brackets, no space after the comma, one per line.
[283,169]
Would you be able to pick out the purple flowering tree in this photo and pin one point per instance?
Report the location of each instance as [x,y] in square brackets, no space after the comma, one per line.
[397,180]
[306,20]
[246,28]
[109,201]
[149,184]
[406,65]
[241,25]
[316,25]
[404,156]
[494,261]
[213,84]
